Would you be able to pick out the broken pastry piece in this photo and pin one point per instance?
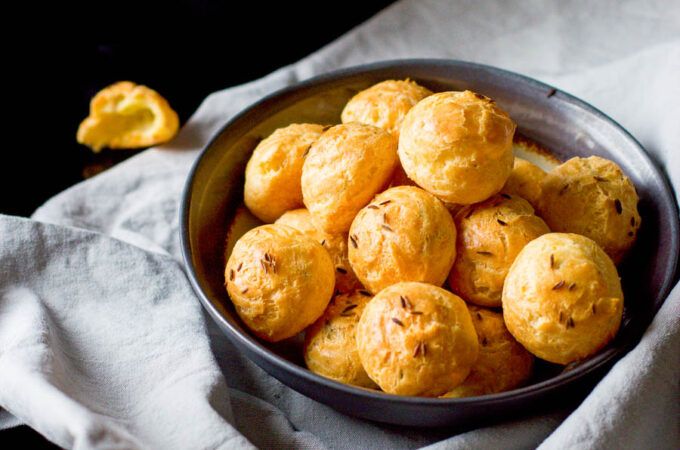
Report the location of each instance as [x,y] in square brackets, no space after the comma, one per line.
[127,115]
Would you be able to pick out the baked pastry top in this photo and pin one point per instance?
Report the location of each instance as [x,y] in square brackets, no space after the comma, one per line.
[593,197]
[417,339]
[330,343]
[562,298]
[344,169]
[385,104]
[503,364]
[273,172]
[404,234]
[279,280]
[335,245]
[458,146]
[490,235]
[525,181]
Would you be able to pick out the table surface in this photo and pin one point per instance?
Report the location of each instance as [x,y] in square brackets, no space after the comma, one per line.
[194,48]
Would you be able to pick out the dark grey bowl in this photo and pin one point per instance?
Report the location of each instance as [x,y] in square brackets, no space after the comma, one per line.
[563,124]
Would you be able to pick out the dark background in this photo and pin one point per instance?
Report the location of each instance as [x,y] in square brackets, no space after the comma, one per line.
[183,49]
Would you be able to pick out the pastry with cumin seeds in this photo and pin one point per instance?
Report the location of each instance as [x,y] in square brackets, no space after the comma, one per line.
[593,197]
[279,280]
[562,298]
[503,364]
[417,339]
[404,234]
[335,245]
[330,343]
[490,235]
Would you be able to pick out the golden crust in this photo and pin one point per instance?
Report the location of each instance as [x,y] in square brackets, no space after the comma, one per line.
[330,344]
[503,364]
[404,234]
[127,115]
[273,172]
[385,104]
[490,235]
[593,197]
[335,245]
[525,181]
[458,146]
[562,298]
[279,280]
[417,339]
[344,169]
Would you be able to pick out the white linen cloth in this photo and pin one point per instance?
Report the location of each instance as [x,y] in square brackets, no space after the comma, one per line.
[104,345]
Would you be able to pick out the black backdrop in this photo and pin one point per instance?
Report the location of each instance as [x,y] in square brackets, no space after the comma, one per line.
[183,49]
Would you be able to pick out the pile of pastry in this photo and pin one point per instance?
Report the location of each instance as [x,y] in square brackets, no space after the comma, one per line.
[419,256]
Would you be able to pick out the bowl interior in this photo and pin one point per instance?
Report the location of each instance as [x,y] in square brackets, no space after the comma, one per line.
[562,124]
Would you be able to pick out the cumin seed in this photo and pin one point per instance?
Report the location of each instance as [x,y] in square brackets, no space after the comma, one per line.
[572,286]
[469,213]
[349,307]
[372,207]
[353,241]
[341,270]
[551,92]
[604,180]
[558,285]
[385,202]
[366,293]
[231,274]
[416,313]
[484,253]
[239,266]
[552,261]
[617,205]
[594,309]
[397,321]
[570,323]
[387,227]
[501,222]
[484,342]
[564,188]
[505,196]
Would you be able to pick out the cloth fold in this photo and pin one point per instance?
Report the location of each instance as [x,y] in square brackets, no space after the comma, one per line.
[104,345]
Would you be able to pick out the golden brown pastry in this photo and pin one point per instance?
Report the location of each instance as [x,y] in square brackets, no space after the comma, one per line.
[525,181]
[458,146]
[273,172]
[417,339]
[503,364]
[330,343]
[404,234]
[385,104]
[127,115]
[279,280]
[593,197]
[335,244]
[344,169]
[562,298]
[490,235]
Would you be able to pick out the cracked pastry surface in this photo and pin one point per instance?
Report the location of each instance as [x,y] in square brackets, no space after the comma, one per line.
[503,364]
[279,280]
[458,146]
[525,181]
[330,343]
[273,172]
[344,169]
[384,104]
[417,339]
[404,234]
[562,298]
[593,197]
[490,235]
[335,245]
